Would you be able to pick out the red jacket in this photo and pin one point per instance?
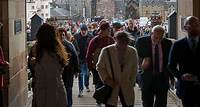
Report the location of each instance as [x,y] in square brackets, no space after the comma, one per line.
[96,44]
[3,64]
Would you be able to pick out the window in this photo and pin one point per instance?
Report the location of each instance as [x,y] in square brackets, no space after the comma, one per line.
[46,14]
[46,6]
[33,7]
[42,6]
[42,14]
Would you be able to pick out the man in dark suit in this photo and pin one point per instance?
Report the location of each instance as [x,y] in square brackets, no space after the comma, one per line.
[184,63]
[153,52]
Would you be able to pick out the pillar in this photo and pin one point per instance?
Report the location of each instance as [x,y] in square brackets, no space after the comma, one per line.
[12,15]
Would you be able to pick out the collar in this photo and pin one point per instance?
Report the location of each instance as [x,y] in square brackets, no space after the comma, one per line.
[195,38]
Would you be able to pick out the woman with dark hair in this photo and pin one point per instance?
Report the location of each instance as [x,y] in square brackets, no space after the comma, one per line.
[49,61]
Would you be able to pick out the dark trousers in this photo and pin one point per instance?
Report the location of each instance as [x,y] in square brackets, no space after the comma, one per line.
[1,98]
[122,101]
[191,93]
[154,88]
[96,81]
[68,81]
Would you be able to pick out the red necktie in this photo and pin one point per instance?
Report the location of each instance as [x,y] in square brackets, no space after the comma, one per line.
[156,59]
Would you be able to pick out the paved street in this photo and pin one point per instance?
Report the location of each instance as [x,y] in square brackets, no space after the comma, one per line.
[88,101]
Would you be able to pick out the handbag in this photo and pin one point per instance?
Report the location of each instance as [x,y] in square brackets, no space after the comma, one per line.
[103,93]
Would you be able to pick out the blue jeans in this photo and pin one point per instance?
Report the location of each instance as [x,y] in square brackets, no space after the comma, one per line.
[83,77]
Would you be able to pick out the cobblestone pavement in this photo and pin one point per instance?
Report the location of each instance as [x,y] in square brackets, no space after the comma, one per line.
[88,101]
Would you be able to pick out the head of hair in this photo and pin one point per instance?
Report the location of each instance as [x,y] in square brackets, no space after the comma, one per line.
[48,40]
[158,28]
[104,26]
[94,25]
[190,20]
[60,32]
[83,27]
[123,37]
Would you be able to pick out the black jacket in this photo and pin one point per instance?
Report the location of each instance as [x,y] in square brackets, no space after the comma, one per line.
[144,48]
[181,55]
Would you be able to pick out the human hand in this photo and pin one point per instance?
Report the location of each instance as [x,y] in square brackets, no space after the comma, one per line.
[33,61]
[146,63]
[6,65]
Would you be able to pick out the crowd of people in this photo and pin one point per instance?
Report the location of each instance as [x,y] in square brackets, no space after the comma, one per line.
[59,55]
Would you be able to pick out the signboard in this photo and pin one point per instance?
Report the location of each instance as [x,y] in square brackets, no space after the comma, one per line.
[17,26]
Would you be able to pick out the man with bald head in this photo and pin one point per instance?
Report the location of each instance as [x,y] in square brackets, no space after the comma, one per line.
[184,63]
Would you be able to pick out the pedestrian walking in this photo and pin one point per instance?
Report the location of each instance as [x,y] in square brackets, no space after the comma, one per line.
[72,69]
[100,41]
[83,38]
[124,62]
[153,52]
[184,63]
[48,64]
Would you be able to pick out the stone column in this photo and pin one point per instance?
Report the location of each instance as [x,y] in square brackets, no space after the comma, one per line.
[196,8]
[12,15]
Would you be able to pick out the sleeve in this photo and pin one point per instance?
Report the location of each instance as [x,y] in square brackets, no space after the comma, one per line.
[101,65]
[1,56]
[171,76]
[138,46]
[75,43]
[31,63]
[89,54]
[173,61]
[75,59]
[135,67]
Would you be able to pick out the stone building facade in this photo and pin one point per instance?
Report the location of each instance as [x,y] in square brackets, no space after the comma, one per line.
[161,7]
[41,7]
[79,8]
[105,8]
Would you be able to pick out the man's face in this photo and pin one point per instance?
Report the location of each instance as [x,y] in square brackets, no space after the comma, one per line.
[84,32]
[105,32]
[130,24]
[157,35]
[193,28]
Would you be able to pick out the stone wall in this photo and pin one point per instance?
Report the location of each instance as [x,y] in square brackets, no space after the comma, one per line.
[12,14]
[185,8]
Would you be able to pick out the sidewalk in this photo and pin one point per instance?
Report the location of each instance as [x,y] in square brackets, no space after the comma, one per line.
[88,101]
